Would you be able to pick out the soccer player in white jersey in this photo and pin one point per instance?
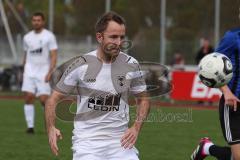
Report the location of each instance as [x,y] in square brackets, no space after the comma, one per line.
[40,49]
[101,129]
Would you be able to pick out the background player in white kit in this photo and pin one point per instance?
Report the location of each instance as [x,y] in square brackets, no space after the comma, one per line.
[40,57]
[103,136]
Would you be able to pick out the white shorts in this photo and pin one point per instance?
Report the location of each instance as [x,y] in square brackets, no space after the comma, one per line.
[102,150]
[36,86]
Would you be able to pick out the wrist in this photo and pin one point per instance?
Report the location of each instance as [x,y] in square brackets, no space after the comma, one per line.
[51,69]
[137,125]
[49,72]
[50,128]
[225,89]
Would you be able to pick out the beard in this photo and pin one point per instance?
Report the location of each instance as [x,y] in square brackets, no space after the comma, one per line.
[37,27]
[111,50]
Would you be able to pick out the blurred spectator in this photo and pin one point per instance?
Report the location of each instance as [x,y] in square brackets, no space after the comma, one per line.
[205,49]
[5,78]
[22,11]
[11,78]
[178,62]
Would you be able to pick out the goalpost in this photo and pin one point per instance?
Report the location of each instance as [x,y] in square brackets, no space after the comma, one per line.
[22,24]
[8,32]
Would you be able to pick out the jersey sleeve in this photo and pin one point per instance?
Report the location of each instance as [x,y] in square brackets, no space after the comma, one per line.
[72,78]
[67,77]
[25,46]
[65,83]
[138,83]
[52,43]
[228,44]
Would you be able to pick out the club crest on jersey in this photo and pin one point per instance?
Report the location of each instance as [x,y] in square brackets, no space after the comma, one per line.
[121,80]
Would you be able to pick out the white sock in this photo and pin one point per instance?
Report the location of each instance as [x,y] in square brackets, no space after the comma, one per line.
[206,148]
[29,115]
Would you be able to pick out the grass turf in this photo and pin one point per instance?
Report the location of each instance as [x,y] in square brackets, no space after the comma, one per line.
[173,137]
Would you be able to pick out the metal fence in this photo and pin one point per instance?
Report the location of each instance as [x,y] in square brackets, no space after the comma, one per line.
[186,23]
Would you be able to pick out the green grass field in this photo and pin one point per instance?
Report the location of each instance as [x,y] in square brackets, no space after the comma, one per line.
[163,140]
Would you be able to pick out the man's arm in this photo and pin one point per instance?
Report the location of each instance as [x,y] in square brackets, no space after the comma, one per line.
[25,48]
[53,133]
[24,59]
[24,62]
[130,136]
[230,98]
[53,61]
[143,107]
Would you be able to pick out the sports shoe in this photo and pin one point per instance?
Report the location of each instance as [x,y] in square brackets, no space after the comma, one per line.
[30,131]
[198,153]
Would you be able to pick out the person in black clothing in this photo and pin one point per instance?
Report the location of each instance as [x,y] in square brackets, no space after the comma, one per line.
[204,50]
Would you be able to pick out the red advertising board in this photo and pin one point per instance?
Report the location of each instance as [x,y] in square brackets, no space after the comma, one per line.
[187,86]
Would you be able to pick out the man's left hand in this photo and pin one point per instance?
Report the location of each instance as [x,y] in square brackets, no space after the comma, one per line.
[129,138]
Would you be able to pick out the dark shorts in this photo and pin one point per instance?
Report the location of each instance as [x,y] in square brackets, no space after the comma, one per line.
[230,122]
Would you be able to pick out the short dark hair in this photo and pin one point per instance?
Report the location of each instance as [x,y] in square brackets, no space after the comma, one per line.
[103,21]
[39,14]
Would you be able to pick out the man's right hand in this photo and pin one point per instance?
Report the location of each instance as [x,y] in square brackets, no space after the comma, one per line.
[230,99]
[53,135]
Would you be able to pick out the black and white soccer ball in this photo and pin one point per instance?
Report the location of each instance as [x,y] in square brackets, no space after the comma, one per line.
[215,70]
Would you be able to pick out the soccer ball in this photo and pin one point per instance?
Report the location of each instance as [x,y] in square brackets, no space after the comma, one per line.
[215,70]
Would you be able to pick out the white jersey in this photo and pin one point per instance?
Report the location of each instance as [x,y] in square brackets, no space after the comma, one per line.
[111,112]
[37,47]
